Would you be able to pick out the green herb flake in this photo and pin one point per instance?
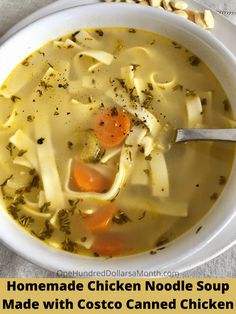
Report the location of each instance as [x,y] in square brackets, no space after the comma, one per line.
[133,94]
[34,183]
[148,100]
[26,61]
[176,45]
[198,229]
[26,221]
[189,92]
[114,111]
[10,147]
[214,196]
[121,218]
[142,216]
[150,86]
[122,82]
[19,200]
[141,149]
[64,221]
[73,205]
[222,180]
[45,85]
[13,211]
[99,32]
[21,152]
[147,171]
[73,36]
[15,98]
[162,241]
[41,53]
[30,118]
[32,172]
[152,252]
[178,87]
[70,145]
[47,231]
[40,93]
[65,86]
[148,158]
[40,141]
[226,104]
[128,145]
[83,239]
[138,123]
[135,66]
[45,207]
[13,208]
[204,101]
[69,246]
[194,61]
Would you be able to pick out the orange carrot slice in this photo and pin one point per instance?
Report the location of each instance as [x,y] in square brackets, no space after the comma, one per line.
[87,179]
[108,245]
[101,220]
[112,126]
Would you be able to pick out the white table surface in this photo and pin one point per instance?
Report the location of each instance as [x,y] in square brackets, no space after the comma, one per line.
[11,265]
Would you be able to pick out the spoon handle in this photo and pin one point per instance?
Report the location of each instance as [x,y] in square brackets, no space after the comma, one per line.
[186,135]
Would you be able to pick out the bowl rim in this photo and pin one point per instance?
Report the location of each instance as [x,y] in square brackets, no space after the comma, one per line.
[147,10]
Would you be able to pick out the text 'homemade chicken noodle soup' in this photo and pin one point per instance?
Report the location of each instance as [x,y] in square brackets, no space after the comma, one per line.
[88,160]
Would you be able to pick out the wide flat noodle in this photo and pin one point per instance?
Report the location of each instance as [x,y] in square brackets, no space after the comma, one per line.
[194,110]
[128,74]
[88,243]
[165,139]
[140,171]
[161,85]
[137,201]
[206,100]
[110,153]
[84,39]
[64,68]
[126,160]
[140,86]
[89,82]
[67,44]
[12,119]
[35,213]
[6,108]
[95,66]
[99,55]
[139,52]
[17,182]
[82,113]
[148,145]
[48,167]
[22,161]
[21,80]
[159,174]
[24,143]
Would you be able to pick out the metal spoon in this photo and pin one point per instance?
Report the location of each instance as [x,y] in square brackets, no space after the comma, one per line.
[187,135]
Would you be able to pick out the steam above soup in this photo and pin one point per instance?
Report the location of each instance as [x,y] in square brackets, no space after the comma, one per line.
[87,159]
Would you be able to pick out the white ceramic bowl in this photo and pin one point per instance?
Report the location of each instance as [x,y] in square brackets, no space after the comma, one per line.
[203,44]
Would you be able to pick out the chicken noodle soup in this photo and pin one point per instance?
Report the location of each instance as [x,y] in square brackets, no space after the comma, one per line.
[87,158]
